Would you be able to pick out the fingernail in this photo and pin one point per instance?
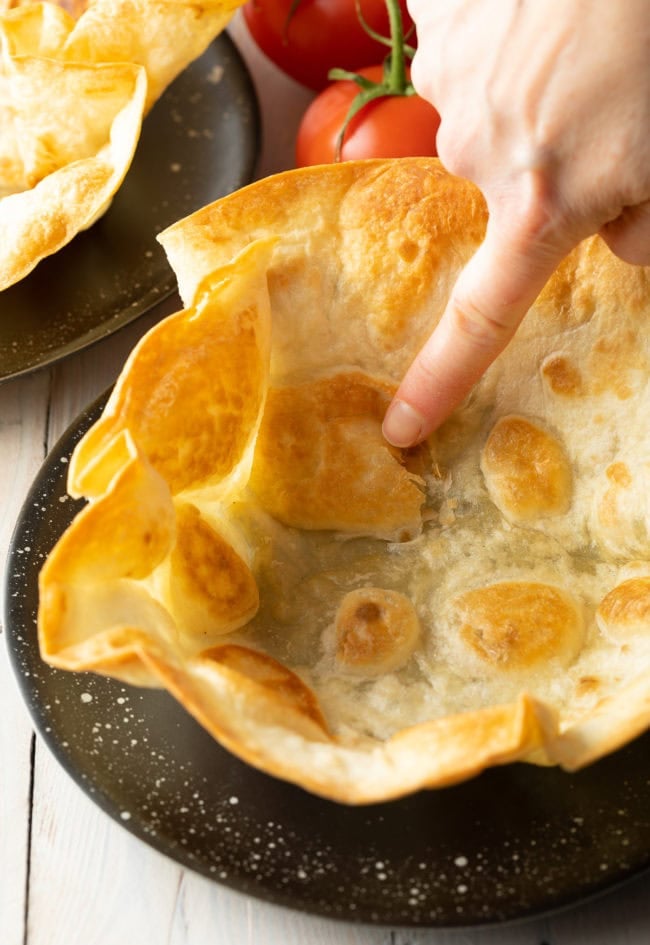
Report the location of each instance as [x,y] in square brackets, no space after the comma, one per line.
[402,424]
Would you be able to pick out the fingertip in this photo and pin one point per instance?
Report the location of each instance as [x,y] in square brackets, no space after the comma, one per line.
[487,303]
[403,425]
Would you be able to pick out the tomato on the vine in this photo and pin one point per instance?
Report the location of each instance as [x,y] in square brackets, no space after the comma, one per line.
[388,126]
[307,38]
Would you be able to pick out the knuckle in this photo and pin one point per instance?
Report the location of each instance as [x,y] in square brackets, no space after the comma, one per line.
[628,236]
[477,327]
[420,75]
[452,150]
[423,372]
[534,219]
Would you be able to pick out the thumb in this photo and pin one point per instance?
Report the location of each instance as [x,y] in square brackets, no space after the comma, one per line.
[490,298]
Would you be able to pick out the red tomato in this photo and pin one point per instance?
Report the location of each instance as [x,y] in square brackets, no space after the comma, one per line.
[319,35]
[391,126]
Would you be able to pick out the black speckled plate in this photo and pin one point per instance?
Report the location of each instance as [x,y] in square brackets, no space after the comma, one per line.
[515,842]
[199,142]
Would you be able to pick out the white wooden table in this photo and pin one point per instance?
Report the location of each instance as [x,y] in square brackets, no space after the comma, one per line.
[69,874]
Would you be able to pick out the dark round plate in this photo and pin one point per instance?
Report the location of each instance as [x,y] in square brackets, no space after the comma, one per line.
[198,143]
[515,842]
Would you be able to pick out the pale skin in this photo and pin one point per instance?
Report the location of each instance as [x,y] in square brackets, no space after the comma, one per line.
[545,106]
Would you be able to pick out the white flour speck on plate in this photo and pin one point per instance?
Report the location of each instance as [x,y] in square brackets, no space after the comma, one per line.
[215,75]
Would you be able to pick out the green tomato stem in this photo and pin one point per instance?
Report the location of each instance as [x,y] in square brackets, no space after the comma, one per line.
[397,81]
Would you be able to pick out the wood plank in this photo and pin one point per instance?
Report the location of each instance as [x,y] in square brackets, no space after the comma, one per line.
[90,880]
[23,409]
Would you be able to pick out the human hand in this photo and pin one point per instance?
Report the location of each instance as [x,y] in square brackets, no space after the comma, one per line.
[546,107]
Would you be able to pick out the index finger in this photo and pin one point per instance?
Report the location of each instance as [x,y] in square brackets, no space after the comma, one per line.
[489,300]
